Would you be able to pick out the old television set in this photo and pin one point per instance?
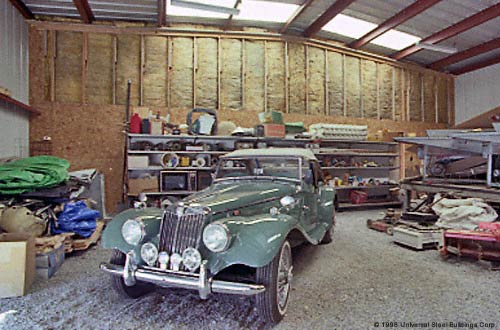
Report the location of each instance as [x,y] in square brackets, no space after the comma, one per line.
[178,181]
[204,179]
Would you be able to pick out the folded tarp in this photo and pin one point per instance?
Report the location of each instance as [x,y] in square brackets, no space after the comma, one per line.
[32,173]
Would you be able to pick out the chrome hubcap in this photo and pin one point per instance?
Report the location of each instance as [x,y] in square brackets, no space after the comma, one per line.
[285,277]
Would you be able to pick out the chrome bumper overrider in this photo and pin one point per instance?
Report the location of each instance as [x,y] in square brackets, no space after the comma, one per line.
[177,279]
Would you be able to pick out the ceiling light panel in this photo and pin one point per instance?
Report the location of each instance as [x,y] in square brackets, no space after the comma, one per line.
[267,11]
[188,12]
[356,28]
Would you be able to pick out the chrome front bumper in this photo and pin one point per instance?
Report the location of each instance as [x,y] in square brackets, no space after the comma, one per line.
[177,279]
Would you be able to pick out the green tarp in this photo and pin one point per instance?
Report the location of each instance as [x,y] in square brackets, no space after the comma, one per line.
[32,173]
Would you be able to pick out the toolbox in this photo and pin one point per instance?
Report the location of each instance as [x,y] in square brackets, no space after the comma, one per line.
[418,239]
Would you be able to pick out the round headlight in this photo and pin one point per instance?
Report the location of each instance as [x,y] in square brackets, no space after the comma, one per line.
[149,253]
[133,232]
[191,258]
[175,261]
[163,257]
[216,237]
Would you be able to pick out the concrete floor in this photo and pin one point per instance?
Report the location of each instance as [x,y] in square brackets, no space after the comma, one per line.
[362,280]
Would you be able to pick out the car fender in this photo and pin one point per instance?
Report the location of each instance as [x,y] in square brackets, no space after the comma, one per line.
[255,240]
[112,236]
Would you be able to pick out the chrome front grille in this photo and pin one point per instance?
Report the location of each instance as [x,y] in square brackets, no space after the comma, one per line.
[179,232]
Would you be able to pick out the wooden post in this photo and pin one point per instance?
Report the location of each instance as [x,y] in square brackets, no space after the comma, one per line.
[403,95]
[306,49]
[436,101]
[170,49]
[265,76]
[243,74]
[45,43]
[361,101]
[344,85]
[287,79]
[219,72]
[85,49]
[327,81]
[141,73]
[53,50]
[115,61]
[408,89]
[450,92]
[422,97]
[167,75]
[393,92]
[195,69]
[377,74]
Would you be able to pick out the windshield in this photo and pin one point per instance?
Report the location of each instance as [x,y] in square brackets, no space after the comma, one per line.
[275,167]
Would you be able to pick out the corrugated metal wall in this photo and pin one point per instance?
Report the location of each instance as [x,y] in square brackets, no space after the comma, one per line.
[14,75]
[477,92]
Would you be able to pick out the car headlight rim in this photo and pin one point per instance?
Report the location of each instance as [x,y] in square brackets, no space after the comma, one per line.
[133,238]
[221,246]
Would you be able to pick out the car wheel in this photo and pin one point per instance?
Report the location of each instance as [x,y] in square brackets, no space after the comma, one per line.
[135,291]
[277,277]
[328,238]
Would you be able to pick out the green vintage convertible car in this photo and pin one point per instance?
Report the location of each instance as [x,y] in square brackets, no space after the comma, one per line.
[235,237]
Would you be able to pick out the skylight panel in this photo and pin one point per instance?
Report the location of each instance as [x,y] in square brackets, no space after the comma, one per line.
[349,26]
[267,11]
[356,28]
[188,12]
[396,40]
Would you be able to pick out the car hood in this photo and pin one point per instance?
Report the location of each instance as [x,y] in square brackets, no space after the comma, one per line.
[221,197]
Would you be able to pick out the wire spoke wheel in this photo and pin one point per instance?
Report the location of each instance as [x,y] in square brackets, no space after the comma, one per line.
[277,277]
[284,278]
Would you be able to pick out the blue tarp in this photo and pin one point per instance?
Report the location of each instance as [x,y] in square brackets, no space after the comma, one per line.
[76,218]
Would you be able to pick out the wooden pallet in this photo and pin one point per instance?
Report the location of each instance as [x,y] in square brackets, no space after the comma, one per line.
[85,243]
[47,244]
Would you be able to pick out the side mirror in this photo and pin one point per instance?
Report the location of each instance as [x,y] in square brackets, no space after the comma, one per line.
[309,178]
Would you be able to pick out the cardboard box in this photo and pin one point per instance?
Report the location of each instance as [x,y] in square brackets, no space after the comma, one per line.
[48,263]
[17,264]
[138,161]
[136,186]
[274,130]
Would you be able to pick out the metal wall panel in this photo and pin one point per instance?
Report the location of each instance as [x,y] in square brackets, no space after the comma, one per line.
[476,92]
[14,75]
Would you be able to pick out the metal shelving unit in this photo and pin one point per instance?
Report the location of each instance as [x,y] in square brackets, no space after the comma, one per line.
[353,153]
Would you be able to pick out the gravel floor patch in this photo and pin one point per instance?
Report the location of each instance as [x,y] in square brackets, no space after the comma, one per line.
[360,279]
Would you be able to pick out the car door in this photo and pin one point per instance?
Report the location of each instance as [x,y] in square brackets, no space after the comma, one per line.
[310,196]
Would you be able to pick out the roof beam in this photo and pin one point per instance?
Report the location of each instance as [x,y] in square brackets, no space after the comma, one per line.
[413,10]
[477,66]
[21,7]
[465,54]
[296,15]
[162,13]
[464,25]
[327,16]
[84,10]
